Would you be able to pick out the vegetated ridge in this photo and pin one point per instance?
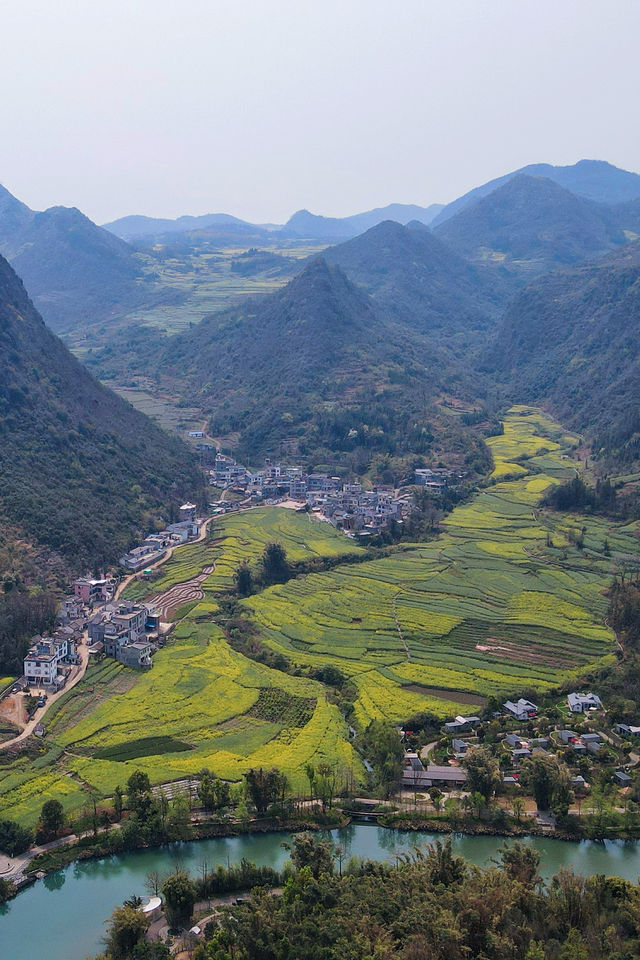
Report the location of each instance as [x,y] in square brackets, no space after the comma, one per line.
[317,364]
[573,338]
[75,272]
[414,277]
[83,473]
[529,225]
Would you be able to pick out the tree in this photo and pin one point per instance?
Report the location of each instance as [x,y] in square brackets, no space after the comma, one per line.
[264,787]
[383,747]
[521,862]
[127,927]
[118,802]
[518,808]
[546,778]
[307,851]
[243,578]
[14,839]
[179,898]
[139,793]
[51,817]
[436,796]
[274,564]
[483,772]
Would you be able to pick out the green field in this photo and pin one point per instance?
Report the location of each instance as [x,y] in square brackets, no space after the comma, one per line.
[501,602]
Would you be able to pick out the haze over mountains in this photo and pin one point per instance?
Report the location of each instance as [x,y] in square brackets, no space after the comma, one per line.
[593,179]
[365,343]
[442,298]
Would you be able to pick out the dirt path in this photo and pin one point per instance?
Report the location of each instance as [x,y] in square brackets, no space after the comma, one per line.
[76,675]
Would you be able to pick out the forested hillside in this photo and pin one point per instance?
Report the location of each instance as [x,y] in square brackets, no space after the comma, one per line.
[530,225]
[573,338]
[75,272]
[83,473]
[317,365]
[417,279]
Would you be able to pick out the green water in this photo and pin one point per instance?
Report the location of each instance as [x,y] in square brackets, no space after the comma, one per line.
[62,917]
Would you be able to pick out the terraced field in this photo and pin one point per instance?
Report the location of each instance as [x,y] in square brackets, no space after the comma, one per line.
[502,602]
[202,704]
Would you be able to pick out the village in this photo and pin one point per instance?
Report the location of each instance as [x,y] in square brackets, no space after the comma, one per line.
[590,753]
[347,505]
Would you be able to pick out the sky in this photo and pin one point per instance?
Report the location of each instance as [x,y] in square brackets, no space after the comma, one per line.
[261,107]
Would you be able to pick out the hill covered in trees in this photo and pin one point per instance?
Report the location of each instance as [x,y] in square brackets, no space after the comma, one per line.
[415,278]
[75,272]
[573,338]
[529,225]
[317,365]
[83,473]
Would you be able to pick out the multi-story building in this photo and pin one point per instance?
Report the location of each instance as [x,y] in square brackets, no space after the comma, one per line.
[44,659]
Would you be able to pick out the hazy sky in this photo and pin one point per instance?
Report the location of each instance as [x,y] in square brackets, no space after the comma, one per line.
[260,107]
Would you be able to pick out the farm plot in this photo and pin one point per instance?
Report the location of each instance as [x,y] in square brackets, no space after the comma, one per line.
[500,602]
[503,601]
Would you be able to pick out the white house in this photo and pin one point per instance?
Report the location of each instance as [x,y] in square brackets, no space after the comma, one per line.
[44,658]
[581,702]
[522,710]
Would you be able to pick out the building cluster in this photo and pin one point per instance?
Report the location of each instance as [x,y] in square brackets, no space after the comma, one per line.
[345,505]
[125,631]
[436,480]
[526,731]
[156,545]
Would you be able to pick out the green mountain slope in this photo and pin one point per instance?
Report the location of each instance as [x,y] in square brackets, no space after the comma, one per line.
[573,338]
[316,364]
[416,279]
[529,225]
[75,272]
[83,473]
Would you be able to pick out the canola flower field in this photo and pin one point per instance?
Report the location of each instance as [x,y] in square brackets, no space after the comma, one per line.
[502,602]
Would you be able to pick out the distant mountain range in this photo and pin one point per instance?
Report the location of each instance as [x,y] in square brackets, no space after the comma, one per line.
[302,225]
[83,473]
[593,179]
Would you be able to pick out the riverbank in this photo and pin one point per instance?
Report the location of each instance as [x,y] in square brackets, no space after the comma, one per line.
[72,903]
[102,845]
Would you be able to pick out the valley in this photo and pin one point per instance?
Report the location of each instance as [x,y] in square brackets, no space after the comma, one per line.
[502,601]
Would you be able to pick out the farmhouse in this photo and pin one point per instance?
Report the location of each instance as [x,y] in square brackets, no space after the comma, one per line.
[45,657]
[627,730]
[622,779]
[460,724]
[141,557]
[437,776]
[122,631]
[90,590]
[580,702]
[522,709]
